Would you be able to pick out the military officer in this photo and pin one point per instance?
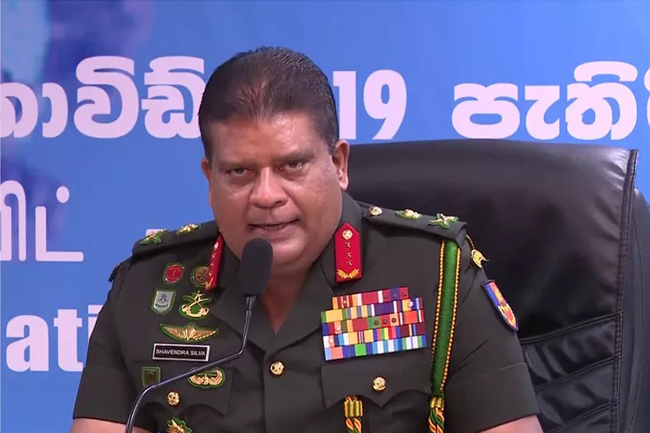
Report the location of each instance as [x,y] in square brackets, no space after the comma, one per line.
[373,320]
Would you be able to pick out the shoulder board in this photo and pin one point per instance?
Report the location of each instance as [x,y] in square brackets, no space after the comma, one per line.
[165,239]
[448,227]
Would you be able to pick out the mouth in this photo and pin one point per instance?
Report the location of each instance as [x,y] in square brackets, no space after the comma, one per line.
[271,228]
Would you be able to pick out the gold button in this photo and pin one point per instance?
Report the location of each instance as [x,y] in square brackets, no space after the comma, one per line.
[375,211]
[379,384]
[173,398]
[277,368]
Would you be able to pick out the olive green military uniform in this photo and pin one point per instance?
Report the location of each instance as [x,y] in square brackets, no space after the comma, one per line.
[283,382]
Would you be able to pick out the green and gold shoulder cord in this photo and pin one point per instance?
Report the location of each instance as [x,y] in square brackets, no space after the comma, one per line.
[443,336]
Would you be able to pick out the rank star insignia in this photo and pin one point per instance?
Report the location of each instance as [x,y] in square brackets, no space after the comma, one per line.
[188,333]
[177,425]
[173,273]
[199,276]
[187,228]
[443,221]
[347,254]
[211,379]
[153,237]
[163,301]
[408,214]
[195,308]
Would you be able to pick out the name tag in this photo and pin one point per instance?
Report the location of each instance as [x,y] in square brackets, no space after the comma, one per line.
[181,352]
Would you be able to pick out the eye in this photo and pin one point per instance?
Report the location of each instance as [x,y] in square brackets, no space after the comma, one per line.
[293,165]
[239,171]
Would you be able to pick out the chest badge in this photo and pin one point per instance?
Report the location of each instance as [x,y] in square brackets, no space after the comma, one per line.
[189,333]
[173,273]
[199,276]
[211,379]
[163,301]
[195,306]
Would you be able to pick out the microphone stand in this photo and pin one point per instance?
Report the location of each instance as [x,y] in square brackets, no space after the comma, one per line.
[250,300]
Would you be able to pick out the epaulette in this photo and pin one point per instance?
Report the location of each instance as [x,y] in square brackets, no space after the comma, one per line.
[448,227]
[165,239]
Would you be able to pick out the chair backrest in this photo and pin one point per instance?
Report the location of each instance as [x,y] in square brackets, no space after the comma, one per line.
[567,237]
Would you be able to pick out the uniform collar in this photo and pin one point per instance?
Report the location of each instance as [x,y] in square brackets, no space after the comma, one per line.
[315,297]
[351,219]
[344,254]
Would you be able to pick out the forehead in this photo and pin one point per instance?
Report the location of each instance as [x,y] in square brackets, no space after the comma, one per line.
[275,135]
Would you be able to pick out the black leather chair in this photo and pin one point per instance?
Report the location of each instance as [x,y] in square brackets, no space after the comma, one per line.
[567,237]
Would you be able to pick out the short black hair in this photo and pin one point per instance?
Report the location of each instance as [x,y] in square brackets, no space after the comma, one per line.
[265,82]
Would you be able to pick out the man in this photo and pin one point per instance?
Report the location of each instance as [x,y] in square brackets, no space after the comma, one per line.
[357,298]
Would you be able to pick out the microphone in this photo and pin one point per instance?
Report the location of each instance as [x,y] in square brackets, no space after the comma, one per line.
[254,272]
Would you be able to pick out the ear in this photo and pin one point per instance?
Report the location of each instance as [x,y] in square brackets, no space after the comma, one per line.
[206,167]
[340,157]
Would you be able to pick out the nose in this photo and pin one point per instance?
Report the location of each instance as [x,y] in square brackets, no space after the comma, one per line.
[268,191]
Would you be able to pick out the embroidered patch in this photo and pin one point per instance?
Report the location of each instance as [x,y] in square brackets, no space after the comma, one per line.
[163,301]
[173,273]
[211,379]
[373,323]
[188,333]
[180,352]
[195,306]
[177,425]
[501,305]
[150,375]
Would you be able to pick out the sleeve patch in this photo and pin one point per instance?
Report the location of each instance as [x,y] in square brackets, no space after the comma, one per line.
[501,305]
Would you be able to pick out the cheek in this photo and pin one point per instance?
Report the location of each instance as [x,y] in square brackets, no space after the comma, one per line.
[317,197]
[227,206]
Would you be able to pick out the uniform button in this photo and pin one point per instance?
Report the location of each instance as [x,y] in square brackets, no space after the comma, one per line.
[277,368]
[173,398]
[379,384]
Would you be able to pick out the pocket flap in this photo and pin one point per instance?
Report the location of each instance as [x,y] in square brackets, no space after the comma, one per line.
[378,378]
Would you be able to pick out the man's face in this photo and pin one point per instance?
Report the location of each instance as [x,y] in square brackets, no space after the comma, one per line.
[275,179]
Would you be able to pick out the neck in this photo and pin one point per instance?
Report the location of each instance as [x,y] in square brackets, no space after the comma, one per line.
[280,296]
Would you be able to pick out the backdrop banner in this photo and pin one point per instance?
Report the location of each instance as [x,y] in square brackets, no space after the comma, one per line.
[100,141]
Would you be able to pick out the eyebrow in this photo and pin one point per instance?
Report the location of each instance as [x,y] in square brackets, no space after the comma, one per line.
[298,155]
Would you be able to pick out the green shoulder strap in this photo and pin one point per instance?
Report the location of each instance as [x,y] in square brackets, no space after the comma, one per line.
[443,331]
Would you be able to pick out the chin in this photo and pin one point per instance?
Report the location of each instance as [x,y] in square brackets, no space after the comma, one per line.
[287,256]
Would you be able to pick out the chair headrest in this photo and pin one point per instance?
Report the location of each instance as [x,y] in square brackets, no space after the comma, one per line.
[548,217]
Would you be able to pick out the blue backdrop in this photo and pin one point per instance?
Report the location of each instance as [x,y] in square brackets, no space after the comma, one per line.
[103,144]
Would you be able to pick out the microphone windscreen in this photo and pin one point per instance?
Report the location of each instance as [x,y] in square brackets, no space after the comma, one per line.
[255,267]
